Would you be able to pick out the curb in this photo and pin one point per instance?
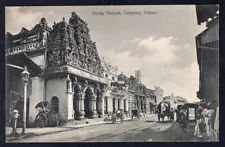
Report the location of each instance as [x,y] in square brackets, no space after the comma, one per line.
[67,129]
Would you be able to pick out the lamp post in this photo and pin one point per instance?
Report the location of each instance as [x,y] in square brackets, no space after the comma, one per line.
[25,77]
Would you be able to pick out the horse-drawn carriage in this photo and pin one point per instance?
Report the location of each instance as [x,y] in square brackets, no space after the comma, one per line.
[163,110]
[45,118]
[135,113]
[118,115]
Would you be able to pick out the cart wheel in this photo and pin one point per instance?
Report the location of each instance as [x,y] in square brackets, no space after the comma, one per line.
[39,123]
[43,118]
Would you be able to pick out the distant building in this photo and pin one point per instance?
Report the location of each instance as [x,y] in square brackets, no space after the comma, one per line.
[117,95]
[151,101]
[110,71]
[175,100]
[158,94]
[138,75]
[171,98]
[180,100]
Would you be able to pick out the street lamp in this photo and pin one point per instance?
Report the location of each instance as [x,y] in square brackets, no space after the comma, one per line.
[25,77]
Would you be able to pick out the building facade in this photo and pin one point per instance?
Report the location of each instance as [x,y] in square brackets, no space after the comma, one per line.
[180,100]
[207,45]
[158,94]
[175,100]
[171,99]
[65,68]
[151,101]
[116,94]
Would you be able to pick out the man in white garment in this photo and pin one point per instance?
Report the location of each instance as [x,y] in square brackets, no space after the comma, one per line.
[216,124]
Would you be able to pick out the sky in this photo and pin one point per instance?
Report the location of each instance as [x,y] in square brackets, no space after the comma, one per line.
[161,45]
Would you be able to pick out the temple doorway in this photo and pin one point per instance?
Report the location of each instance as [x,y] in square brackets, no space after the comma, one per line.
[87,105]
[55,105]
[114,103]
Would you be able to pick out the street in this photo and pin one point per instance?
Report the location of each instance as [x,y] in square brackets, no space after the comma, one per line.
[145,130]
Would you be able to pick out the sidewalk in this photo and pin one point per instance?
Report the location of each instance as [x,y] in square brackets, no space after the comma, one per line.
[30,132]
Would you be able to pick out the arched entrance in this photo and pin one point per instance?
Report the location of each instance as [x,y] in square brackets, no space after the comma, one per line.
[55,104]
[114,103]
[124,105]
[118,103]
[87,102]
[105,105]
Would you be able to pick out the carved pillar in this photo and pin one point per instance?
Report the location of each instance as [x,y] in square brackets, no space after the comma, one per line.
[125,103]
[142,105]
[103,105]
[116,103]
[121,104]
[92,107]
[99,101]
[79,108]
[99,106]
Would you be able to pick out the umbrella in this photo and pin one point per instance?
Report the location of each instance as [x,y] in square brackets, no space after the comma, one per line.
[42,104]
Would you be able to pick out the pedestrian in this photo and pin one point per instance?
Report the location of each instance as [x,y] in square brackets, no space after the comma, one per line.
[207,115]
[178,114]
[199,128]
[183,119]
[214,122]
[175,115]
[171,114]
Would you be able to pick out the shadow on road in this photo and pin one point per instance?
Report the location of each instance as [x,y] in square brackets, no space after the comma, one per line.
[164,122]
[149,121]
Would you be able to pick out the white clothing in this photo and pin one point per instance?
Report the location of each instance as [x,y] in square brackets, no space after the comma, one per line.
[216,124]
[197,130]
[208,114]
[163,108]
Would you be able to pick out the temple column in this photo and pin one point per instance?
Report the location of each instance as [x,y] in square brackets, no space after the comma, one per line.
[79,106]
[110,104]
[126,105]
[70,98]
[121,104]
[92,107]
[103,106]
[116,103]
[141,104]
[99,106]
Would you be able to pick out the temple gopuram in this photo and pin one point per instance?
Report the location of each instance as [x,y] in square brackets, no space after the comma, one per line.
[65,68]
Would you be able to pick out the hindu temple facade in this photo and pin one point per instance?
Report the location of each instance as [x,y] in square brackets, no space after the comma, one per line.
[65,69]
[68,73]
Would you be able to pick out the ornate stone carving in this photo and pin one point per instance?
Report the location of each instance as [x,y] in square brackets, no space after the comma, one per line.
[85,84]
[72,42]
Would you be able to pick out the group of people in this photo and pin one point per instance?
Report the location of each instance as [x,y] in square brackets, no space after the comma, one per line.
[207,121]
